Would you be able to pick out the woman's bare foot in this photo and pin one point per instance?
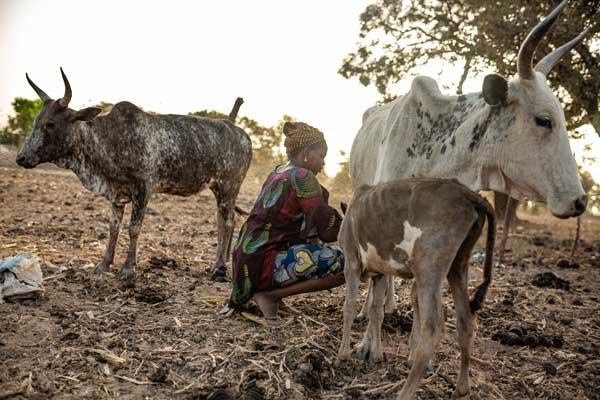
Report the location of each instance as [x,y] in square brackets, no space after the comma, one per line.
[267,304]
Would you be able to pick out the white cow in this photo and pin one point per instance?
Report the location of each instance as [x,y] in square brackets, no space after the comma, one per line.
[511,137]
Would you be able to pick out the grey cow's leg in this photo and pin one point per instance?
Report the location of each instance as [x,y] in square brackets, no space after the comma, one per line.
[225,224]
[115,225]
[138,210]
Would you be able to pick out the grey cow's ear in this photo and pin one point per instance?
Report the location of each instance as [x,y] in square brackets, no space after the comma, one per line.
[495,90]
[87,114]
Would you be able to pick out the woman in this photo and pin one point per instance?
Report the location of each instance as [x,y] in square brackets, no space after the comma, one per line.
[275,255]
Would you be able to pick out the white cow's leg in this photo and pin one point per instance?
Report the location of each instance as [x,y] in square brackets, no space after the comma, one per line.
[390,298]
[352,275]
[370,347]
[367,303]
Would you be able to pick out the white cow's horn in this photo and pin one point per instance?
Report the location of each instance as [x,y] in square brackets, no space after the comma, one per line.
[528,47]
[548,62]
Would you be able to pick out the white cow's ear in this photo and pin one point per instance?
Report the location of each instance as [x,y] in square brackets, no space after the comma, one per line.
[87,114]
[495,90]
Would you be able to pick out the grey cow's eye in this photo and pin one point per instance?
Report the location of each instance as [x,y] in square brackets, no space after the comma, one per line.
[544,122]
[49,126]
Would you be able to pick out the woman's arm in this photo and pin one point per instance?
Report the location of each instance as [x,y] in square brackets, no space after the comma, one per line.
[321,220]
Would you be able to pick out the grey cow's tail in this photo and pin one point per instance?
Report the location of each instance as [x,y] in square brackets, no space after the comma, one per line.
[484,206]
[236,107]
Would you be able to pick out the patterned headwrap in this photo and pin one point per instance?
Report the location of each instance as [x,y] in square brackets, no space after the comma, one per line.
[299,134]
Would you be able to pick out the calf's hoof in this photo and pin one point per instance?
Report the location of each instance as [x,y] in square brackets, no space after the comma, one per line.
[218,273]
[429,370]
[102,267]
[365,352]
[467,396]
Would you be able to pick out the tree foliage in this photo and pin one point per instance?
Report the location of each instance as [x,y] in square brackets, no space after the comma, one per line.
[20,125]
[397,36]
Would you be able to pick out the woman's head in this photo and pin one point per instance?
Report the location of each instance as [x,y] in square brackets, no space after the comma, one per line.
[305,146]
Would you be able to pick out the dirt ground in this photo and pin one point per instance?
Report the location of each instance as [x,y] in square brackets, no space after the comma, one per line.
[96,336]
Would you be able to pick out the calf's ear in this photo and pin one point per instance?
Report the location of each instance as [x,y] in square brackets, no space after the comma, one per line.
[87,114]
[495,90]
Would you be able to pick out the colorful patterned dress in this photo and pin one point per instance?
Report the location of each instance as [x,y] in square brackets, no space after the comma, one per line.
[273,247]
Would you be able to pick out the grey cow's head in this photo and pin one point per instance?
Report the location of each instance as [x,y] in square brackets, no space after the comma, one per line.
[535,156]
[53,132]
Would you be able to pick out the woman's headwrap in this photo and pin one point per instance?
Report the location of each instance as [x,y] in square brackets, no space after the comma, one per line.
[299,135]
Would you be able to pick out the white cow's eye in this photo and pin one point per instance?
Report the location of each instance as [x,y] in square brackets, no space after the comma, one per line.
[544,122]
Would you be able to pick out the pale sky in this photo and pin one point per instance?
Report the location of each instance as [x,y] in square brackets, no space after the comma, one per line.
[179,56]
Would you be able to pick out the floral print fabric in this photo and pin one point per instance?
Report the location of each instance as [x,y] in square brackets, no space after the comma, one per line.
[290,209]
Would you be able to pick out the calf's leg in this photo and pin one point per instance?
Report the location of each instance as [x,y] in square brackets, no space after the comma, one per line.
[352,275]
[115,225]
[370,347]
[138,210]
[464,328]
[430,313]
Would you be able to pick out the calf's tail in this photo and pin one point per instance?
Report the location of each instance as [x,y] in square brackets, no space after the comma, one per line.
[236,107]
[484,206]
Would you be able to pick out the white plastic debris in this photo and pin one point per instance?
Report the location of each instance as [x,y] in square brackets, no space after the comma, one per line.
[20,277]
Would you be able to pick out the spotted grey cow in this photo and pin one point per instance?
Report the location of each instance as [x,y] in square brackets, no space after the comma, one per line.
[511,137]
[128,154]
[419,228]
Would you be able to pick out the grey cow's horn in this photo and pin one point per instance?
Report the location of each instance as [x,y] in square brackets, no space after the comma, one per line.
[548,62]
[529,45]
[64,102]
[39,91]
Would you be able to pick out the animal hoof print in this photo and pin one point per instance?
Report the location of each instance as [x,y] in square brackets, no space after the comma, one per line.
[217,274]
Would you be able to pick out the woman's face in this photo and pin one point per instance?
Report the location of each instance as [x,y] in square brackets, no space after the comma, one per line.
[315,158]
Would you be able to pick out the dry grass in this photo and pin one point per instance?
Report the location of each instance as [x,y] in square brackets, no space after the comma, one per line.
[95,336]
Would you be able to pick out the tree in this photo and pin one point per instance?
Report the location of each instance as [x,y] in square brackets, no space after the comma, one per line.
[20,125]
[397,36]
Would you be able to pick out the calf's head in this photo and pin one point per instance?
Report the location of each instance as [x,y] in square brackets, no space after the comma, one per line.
[54,128]
[532,147]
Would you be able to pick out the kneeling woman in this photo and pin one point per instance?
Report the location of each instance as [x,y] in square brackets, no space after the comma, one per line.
[275,255]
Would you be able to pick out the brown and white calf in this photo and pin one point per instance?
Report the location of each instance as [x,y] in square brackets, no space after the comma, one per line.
[423,229]
[129,154]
